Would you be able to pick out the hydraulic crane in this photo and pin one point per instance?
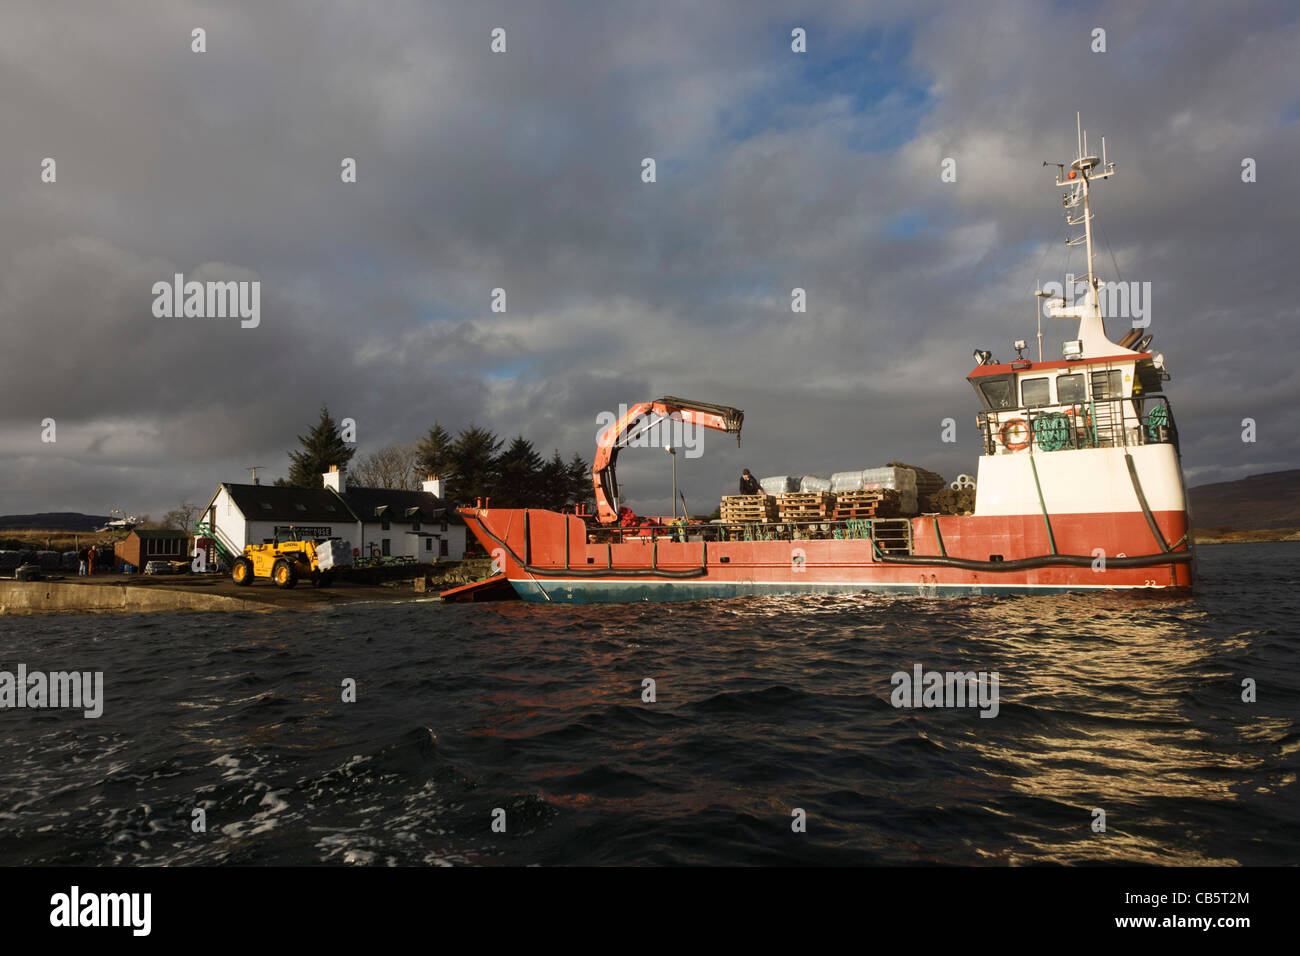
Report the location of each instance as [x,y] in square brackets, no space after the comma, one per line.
[638,419]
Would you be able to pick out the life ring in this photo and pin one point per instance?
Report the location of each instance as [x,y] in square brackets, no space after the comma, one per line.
[1008,426]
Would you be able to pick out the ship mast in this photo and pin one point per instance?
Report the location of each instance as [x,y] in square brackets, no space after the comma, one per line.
[1077,182]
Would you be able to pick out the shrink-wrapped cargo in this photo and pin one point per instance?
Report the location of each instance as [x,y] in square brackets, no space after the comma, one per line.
[334,553]
[846,481]
[779,484]
[814,483]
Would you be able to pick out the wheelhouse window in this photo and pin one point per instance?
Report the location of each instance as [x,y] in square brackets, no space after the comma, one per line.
[1108,384]
[1070,389]
[1035,392]
[997,392]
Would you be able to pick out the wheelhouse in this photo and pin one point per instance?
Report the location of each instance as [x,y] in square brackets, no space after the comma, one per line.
[1104,402]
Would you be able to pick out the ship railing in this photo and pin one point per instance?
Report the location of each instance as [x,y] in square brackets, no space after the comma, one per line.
[891,535]
[1103,423]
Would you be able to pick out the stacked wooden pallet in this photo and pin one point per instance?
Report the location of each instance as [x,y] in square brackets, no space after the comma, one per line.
[805,505]
[745,508]
[883,503]
[927,482]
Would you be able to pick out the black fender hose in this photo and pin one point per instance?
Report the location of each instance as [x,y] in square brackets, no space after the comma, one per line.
[1044,561]
[1142,500]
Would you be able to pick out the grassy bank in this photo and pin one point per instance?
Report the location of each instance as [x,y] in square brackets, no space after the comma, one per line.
[56,540]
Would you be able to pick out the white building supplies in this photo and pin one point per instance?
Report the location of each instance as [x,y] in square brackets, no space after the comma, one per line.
[334,553]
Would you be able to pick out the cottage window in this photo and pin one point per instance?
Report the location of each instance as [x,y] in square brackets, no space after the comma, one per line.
[428,544]
[443,550]
[383,545]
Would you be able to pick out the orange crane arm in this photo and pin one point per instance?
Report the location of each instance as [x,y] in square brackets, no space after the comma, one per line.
[643,416]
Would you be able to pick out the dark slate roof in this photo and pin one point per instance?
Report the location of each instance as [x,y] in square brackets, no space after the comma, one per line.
[322,506]
[276,503]
[367,502]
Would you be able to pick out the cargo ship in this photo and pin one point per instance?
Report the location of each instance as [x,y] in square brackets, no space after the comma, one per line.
[1079,487]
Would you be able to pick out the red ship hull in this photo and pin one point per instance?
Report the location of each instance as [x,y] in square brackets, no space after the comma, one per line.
[547,556]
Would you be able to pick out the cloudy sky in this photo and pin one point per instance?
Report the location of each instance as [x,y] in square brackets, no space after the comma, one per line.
[522,170]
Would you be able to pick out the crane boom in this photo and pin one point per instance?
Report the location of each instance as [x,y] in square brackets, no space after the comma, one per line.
[704,414]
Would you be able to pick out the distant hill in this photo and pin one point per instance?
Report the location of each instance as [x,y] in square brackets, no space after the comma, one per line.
[1258,502]
[53,521]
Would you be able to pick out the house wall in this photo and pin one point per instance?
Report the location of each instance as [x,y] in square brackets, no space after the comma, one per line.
[402,543]
[228,522]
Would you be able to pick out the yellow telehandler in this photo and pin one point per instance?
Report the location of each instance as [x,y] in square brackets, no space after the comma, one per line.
[291,556]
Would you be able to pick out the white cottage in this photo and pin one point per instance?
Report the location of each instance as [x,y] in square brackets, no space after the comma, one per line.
[379,522]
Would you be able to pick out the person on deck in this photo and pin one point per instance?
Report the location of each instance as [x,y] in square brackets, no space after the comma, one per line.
[748,484]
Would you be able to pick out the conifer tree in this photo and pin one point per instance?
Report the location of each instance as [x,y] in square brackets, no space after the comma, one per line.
[321,447]
[518,474]
[475,457]
[436,454]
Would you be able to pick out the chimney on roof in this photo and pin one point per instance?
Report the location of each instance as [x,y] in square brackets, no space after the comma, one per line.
[334,480]
[433,485]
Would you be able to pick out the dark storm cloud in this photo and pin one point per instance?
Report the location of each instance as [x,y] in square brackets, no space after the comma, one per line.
[521,171]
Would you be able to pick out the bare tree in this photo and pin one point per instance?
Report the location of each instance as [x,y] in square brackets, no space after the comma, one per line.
[391,467]
[181,517]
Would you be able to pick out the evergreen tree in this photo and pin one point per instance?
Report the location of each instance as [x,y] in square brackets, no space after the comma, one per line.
[435,454]
[518,474]
[321,447]
[553,483]
[579,489]
[474,457]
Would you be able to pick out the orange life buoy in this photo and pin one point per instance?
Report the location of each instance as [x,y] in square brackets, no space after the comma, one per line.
[1008,426]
